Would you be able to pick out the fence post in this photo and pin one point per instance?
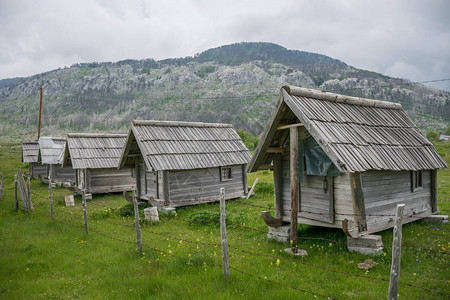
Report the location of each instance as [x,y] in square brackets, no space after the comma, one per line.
[396,253]
[29,193]
[86,228]
[223,234]
[50,185]
[294,182]
[1,186]
[136,222]
[16,200]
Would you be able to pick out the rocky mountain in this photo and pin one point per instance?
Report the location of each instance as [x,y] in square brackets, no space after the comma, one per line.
[236,84]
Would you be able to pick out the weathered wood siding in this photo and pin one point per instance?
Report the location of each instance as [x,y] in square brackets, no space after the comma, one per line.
[383,190]
[202,185]
[61,175]
[151,178]
[141,177]
[110,180]
[37,169]
[313,198]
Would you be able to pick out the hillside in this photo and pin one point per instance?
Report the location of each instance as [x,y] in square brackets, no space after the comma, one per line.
[235,84]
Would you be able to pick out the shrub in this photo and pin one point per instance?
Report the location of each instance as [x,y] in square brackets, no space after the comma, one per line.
[128,209]
[264,188]
[213,218]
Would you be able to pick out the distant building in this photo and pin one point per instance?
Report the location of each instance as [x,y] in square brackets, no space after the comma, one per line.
[443,137]
[30,151]
[50,155]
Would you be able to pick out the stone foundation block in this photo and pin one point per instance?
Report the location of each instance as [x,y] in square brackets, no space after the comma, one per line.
[367,245]
[280,234]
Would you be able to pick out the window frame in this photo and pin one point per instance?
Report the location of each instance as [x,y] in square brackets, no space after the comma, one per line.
[229,171]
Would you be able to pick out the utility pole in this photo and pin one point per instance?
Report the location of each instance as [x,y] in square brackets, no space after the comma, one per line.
[40,114]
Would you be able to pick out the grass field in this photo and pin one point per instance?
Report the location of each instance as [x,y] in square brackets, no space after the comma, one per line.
[182,260]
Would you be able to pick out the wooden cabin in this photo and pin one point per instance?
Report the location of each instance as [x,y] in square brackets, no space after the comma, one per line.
[50,155]
[30,151]
[349,161]
[95,159]
[185,163]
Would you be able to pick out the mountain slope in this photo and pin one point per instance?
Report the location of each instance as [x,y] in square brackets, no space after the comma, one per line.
[235,84]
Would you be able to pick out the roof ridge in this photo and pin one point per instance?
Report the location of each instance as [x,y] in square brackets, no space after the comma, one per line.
[332,97]
[179,124]
[96,135]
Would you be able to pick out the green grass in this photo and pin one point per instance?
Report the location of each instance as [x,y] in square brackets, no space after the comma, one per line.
[42,259]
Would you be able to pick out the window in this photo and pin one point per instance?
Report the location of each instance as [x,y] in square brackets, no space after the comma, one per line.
[225,174]
[416,180]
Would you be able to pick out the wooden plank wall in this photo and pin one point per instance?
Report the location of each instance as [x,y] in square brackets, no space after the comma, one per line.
[37,169]
[311,188]
[190,185]
[141,176]
[383,190]
[151,179]
[63,174]
[111,180]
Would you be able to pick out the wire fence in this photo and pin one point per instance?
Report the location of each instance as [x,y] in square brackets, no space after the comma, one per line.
[149,231]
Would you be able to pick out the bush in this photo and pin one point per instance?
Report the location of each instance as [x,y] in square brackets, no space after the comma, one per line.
[432,136]
[128,209]
[213,218]
[104,213]
[264,188]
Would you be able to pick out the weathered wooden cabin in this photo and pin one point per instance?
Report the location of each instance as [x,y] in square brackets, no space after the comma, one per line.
[50,155]
[95,159]
[348,160]
[30,151]
[185,163]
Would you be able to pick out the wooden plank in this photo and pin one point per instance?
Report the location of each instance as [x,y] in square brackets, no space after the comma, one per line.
[287,126]
[294,184]
[278,187]
[275,150]
[16,200]
[253,187]
[358,200]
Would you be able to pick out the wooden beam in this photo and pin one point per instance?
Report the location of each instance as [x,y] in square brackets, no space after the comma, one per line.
[287,126]
[278,188]
[294,186]
[244,179]
[359,208]
[265,167]
[275,150]
[166,192]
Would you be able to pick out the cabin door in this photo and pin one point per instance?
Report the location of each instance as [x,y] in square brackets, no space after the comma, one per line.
[317,198]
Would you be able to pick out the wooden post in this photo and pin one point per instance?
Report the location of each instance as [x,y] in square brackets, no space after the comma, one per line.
[136,222]
[244,179]
[359,207]
[29,194]
[433,198]
[16,200]
[277,186]
[166,193]
[396,253]
[1,186]
[86,228]
[51,199]
[223,234]
[294,186]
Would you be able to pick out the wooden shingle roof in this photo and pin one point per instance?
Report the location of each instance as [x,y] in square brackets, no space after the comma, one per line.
[357,134]
[94,150]
[50,149]
[30,151]
[169,145]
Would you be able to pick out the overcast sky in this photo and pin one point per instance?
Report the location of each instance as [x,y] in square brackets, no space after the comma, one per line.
[405,38]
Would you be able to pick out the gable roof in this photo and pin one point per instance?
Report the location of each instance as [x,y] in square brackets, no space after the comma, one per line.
[357,134]
[167,145]
[50,149]
[30,151]
[93,150]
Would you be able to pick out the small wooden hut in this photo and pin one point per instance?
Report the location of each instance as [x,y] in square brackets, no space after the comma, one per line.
[95,159]
[50,155]
[185,163]
[349,161]
[30,151]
